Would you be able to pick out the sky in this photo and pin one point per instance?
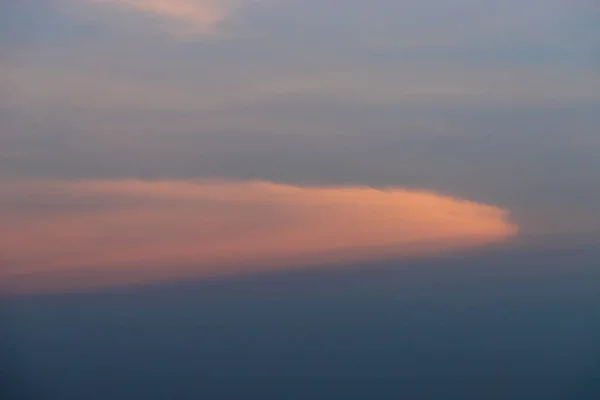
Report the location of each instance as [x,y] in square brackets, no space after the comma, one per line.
[493,104]
[145,143]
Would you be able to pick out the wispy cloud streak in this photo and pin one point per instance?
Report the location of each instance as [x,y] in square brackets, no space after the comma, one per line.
[193,16]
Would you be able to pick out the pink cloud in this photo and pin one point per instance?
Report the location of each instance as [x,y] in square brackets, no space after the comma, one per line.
[196,16]
[96,233]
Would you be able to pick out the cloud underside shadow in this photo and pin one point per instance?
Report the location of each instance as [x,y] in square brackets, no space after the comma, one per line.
[61,235]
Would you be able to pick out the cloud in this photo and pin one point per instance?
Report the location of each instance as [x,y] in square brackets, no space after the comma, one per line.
[65,235]
[230,90]
[194,16]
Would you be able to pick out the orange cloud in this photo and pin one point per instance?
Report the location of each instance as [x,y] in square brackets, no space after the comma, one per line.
[66,235]
[200,16]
